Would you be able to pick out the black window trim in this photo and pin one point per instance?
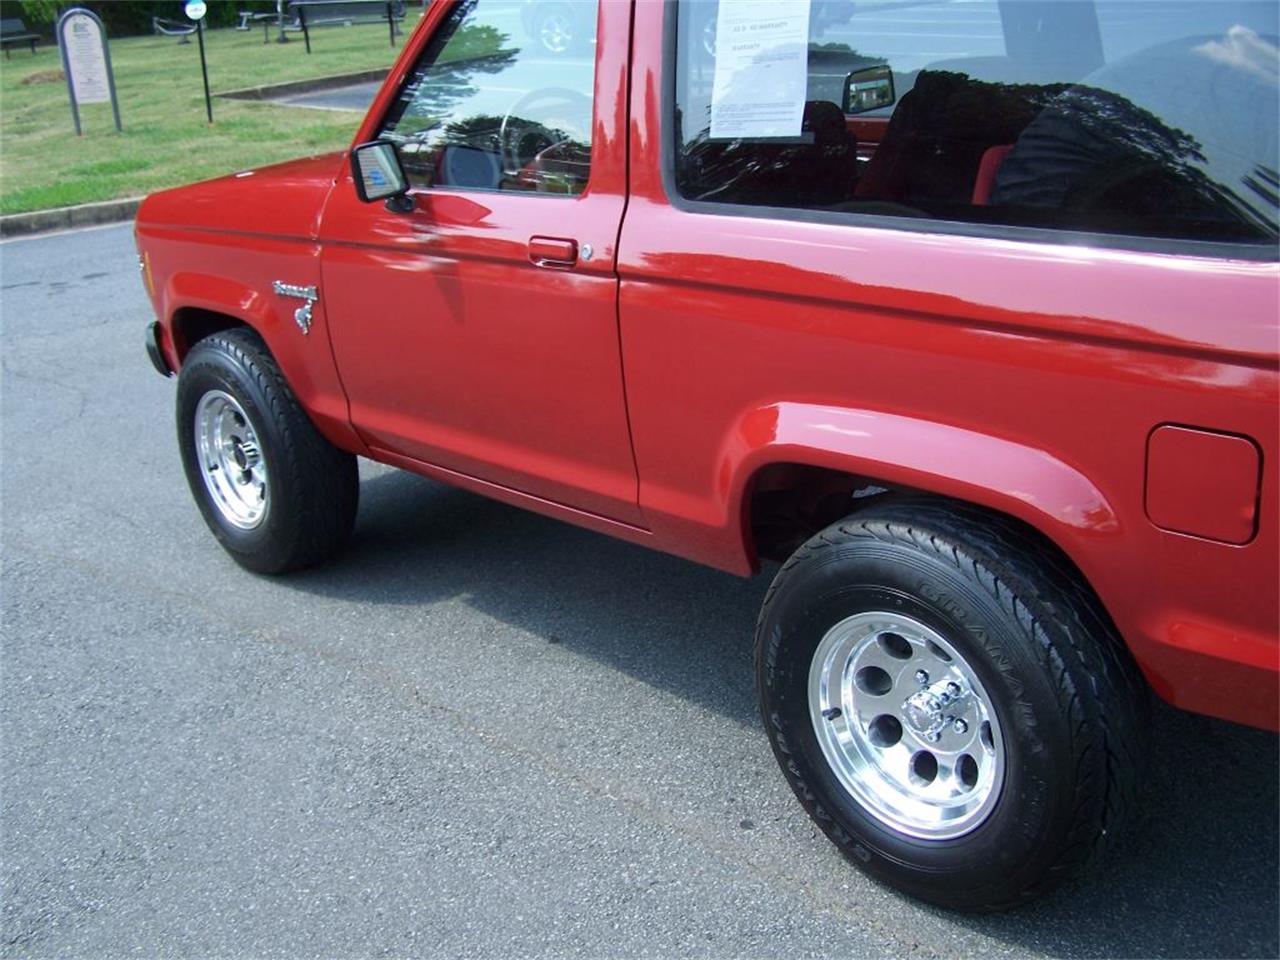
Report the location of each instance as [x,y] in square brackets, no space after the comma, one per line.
[1207,249]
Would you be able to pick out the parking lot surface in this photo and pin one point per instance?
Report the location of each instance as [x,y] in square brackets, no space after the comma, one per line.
[356,96]
[479,732]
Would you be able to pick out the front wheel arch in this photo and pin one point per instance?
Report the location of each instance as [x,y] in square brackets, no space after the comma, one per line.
[189,325]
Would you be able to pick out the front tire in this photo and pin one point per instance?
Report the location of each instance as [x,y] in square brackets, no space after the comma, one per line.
[275,493]
[949,703]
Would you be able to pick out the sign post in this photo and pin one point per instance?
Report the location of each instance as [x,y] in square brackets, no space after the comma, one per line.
[86,60]
[195,10]
[280,22]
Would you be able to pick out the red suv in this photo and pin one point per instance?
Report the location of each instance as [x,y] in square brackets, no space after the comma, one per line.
[965,312]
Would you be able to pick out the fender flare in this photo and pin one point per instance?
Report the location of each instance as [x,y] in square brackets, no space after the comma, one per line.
[1022,481]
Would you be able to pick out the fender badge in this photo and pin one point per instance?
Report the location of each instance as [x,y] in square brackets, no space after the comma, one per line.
[301,316]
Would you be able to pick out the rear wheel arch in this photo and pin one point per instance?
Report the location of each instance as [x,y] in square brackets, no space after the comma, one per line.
[810,466]
[785,503]
[815,452]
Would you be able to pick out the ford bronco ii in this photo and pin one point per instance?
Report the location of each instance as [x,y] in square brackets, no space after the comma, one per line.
[964,312]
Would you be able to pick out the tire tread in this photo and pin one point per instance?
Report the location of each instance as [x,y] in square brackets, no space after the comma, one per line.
[1097,684]
[322,480]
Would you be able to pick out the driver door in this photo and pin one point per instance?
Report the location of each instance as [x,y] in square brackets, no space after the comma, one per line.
[477,332]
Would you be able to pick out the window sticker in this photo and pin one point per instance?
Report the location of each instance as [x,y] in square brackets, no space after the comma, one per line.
[762,53]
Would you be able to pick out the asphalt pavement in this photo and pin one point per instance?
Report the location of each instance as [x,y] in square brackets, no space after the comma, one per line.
[478,733]
[355,96]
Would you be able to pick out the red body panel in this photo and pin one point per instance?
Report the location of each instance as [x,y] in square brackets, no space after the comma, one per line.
[1027,377]
[1023,376]
[463,346]
[219,245]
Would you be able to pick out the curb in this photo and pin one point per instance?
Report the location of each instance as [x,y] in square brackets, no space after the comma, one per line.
[273,90]
[63,218]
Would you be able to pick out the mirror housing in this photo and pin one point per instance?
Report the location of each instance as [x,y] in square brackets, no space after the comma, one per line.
[868,89]
[378,174]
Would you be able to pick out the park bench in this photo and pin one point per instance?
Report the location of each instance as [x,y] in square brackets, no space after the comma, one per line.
[249,17]
[302,15]
[173,28]
[14,31]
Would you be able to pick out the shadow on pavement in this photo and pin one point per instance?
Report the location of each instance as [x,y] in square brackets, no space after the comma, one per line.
[1196,876]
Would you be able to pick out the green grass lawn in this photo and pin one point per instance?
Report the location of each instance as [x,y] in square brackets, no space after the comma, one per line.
[166,140]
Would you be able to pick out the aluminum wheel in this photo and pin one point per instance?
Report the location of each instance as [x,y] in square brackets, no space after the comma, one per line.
[231,461]
[555,31]
[905,725]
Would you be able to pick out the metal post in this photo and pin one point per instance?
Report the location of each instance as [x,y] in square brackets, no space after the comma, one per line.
[302,18]
[111,83]
[66,69]
[204,71]
[75,110]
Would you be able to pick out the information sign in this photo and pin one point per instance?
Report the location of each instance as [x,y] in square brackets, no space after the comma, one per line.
[86,62]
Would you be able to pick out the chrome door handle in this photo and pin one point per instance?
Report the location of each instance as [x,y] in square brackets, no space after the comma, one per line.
[553,251]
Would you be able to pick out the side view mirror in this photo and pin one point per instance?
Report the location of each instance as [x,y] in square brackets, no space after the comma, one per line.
[868,89]
[379,175]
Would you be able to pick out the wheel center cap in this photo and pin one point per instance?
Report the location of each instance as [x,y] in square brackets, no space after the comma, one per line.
[923,712]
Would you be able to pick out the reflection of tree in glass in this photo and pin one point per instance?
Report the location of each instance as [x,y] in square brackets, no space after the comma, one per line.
[444,76]
[1094,150]
[1265,182]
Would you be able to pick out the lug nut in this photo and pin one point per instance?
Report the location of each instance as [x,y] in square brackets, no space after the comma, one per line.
[960,726]
[922,677]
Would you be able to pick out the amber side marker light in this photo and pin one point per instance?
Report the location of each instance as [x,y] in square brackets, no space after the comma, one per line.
[144,267]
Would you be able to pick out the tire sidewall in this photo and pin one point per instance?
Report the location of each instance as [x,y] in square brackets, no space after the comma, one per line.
[1024,830]
[213,367]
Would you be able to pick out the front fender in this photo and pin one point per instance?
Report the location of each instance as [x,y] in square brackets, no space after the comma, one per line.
[188,290]
[305,358]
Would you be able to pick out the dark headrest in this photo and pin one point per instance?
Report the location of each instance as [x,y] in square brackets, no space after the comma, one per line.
[826,121]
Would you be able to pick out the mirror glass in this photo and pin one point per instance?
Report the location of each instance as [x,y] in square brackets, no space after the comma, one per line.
[868,89]
[377,171]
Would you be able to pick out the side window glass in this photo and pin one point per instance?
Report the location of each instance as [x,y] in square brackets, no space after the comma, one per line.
[1103,116]
[501,99]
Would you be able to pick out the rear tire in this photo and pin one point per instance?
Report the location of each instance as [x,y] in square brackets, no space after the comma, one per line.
[949,703]
[276,494]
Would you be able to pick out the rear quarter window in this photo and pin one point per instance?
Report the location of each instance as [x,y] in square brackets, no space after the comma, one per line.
[1139,118]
